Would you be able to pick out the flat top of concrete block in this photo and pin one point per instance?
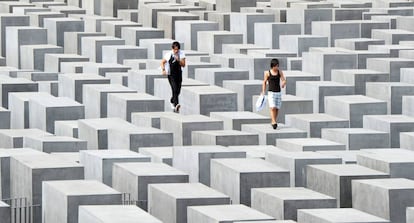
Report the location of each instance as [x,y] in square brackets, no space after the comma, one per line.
[388,84]
[55,102]
[3,109]
[347,156]
[53,138]
[134,96]
[10,15]
[153,114]
[293,193]
[163,152]
[387,151]
[237,115]
[310,142]
[72,124]
[181,22]
[82,76]
[268,129]
[188,190]
[392,118]
[23,132]
[324,84]
[354,99]
[16,28]
[80,187]
[230,213]
[19,151]
[389,157]
[64,19]
[210,90]
[242,82]
[317,117]
[120,22]
[155,41]
[255,151]
[8,80]
[276,221]
[230,56]
[220,70]
[143,29]
[150,169]
[118,213]
[101,38]
[104,123]
[249,165]
[178,14]
[391,59]
[390,183]
[219,33]
[70,156]
[348,170]
[343,215]
[191,118]
[114,154]
[41,46]
[203,149]
[225,133]
[289,97]
[128,47]
[393,31]
[350,131]
[356,71]
[45,13]
[293,73]
[109,87]
[65,55]
[43,161]
[302,155]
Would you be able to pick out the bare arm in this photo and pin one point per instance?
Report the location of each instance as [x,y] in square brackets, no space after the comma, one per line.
[282,78]
[265,79]
[163,61]
[182,62]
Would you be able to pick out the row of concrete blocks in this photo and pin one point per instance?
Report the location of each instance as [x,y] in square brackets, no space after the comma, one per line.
[226,174]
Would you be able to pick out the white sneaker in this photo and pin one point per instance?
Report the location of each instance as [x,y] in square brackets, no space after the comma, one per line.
[177,108]
[172,106]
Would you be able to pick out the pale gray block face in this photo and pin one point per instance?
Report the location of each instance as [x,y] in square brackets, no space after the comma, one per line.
[73,41]
[236,177]
[132,35]
[245,90]
[117,54]
[308,144]
[410,214]
[255,66]
[134,178]
[307,17]
[114,27]
[188,31]
[183,126]
[32,57]
[268,34]
[5,212]
[10,20]
[268,136]
[53,61]
[225,213]
[358,78]
[358,138]
[196,160]
[297,162]
[190,67]
[339,177]
[58,26]
[245,23]
[224,138]
[99,163]
[92,46]
[61,199]
[67,128]
[294,105]
[143,80]
[55,144]
[212,41]
[9,85]
[336,30]
[158,154]
[301,43]
[111,213]
[406,140]
[167,21]
[216,76]
[5,118]
[358,43]
[169,202]
[385,197]
[332,215]
[234,5]
[283,203]
[392,66]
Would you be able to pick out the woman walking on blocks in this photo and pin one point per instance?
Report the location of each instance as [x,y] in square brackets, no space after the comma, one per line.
[274,77]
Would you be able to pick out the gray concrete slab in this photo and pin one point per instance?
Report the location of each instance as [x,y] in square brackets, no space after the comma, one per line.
[357,138]
[333,215]
[224,138]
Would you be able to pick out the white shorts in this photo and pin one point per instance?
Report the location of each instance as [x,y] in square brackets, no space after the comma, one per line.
[274,99]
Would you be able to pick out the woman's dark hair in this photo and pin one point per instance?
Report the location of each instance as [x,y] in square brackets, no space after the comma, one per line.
[175,44]
[274,63]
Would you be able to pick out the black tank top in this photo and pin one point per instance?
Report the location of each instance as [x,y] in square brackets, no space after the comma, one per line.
[175,67]
[274,82]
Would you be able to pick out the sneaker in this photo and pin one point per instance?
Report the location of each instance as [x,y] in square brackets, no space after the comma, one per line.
[172,106]
[274,126]
[177,108]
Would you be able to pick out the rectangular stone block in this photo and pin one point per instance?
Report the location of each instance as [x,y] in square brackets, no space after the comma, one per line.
[156,47]
[297,162]
[336,30]
[169,202]
[196,160]
[390,65]
[99,163]
[114,27]
[308,144]
[58,26]
[32,57]
[67,128]
[134,178]
[9,85]
[55,144]
[245,24]
[236,177]
[393,36]
[188,31]
[268,136]
[212,41]
[234,5]
[390,92]
[71,85]
[216,76]
[235,120]
[268,34]
[166,21]
[358,43]
[117,54]
[406,140]
[53,61]
[158,154]
[73,40]
[13,138]
[38,18]
[283,203]
[92,46]
[298,43]
[143,80]
[294,76]
[132,35]
[333,215]
[103,68]
[5,211]
[45,111]
[245,90]
[357,138]
[358,78]
[122,105]
[10,20]
[113,213]
[61,199]
[95,131]
[335,180]
[224,138]
[307,16]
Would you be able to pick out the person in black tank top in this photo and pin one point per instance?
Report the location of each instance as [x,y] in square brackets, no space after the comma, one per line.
[276,80]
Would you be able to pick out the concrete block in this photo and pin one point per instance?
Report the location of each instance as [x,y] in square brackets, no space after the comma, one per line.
[54,144]
[49,87]
[73,40]
[386,194]
[114,27]
[222,18]
[111,213]
[196,160]
[318,90]
[67,10]
[71,85]
[156,47]
[297,162]
[225,213]
[166,21]
[5,117]
[390,65]
[5,211]
[255,151]
[188,31]
[307,16]
[245,23]
[236,177]
[150,119]
[336,30]
[38,18]
[294,76]
[241,48]
[191,66]
[61,199]
[358,43]
[182,126]
[99,163]
[33,56]
[10,20]
[132,35]
[117,54]
[313,123]
[128,14]
[235,120]
[95,131]
[337,180]
[158,154]
[268,136]
[322,63]
[216,76]
[406,75]
[92,46]
[245,90]
[406,140]
[58,26]
[53,61]
[291,105]
[390,92]
[354,107]
[224,138]
[134,178]
[283,203]
[234,5]
[169,202]
[393,36]
[45,111]
[95,97]
[143,80]
[67,128]
[392,50]
[300,43]
[9,85]
[212,41]
[347,156]
[103,68]
[13,138]
[357,138]
[206,99]
[268,34]
[254,64]
[22,35]
[358,78]
[122,105]
[308,144]
[331,215]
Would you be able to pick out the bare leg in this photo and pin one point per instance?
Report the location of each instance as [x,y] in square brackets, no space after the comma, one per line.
[273,115]
[276,113]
